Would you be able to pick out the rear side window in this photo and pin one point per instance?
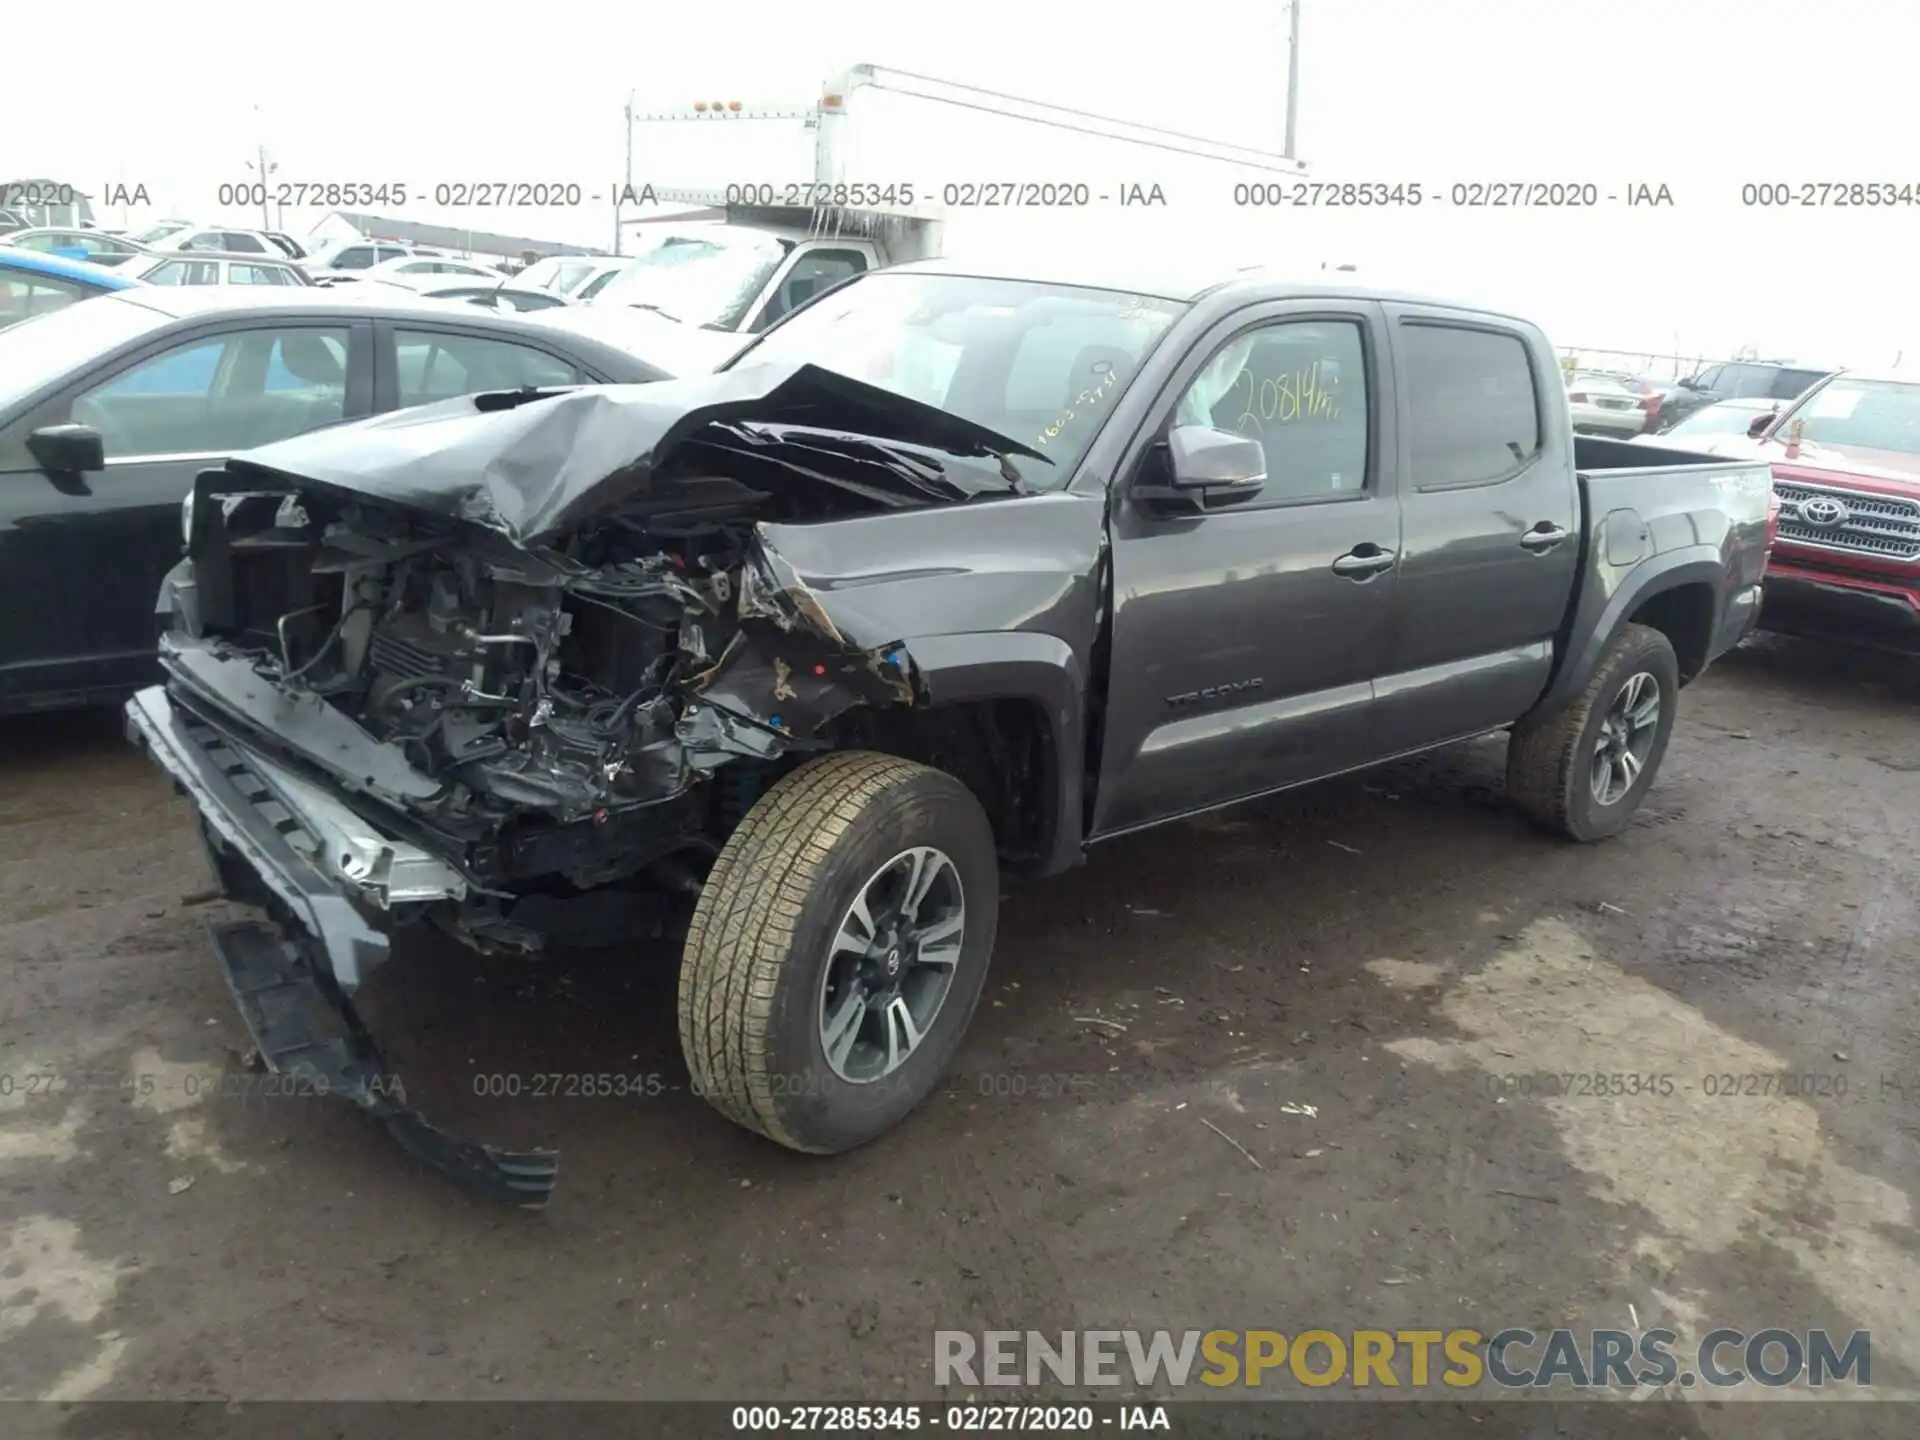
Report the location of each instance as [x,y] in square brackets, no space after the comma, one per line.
[1474,409]
[438,365]
[186,272]
[23,296]
[354,257]
[1791,384]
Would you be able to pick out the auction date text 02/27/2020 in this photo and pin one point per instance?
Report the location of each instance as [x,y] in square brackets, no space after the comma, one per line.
[1001,194]
[979,194]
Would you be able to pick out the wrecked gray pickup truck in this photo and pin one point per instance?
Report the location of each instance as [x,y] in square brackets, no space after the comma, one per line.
[945,578]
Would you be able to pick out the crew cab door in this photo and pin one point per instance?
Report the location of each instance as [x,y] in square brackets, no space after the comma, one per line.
[1245,639]
[1490,526]
[81,558]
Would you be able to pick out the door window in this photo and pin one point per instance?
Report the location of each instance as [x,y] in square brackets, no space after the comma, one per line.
[22,296]
[221,395]
[813,272]
[1299,387]
[437,366]
[594,286]
[186,272]
[1473,405]
[354,257]
[253,275]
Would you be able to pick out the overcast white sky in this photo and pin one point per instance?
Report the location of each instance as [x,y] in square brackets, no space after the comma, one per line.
[1701,95]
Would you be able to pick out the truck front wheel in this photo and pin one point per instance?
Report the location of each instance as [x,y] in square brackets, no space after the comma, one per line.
[1582,771]
[838,950]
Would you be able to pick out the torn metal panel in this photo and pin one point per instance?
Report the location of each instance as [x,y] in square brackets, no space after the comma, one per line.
[530,468]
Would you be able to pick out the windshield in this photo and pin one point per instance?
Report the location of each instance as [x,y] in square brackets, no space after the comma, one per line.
[1041,364]
[705,281]
[1718,420]
[46,347]
[156,232]
[1848,415]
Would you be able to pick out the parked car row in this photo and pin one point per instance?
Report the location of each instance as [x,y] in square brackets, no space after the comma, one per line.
[1624,405]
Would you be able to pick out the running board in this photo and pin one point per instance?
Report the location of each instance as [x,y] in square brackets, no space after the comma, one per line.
[287,1006]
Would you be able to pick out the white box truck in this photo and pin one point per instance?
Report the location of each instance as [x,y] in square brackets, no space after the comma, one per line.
[760,207]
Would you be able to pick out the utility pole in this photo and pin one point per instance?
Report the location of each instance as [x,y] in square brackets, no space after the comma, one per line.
[1293,75]
[620,199]
[264,168]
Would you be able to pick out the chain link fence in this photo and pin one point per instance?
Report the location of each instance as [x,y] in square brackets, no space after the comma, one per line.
[1651,365]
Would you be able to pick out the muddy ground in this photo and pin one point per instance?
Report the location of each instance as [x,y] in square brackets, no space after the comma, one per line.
[1345,982]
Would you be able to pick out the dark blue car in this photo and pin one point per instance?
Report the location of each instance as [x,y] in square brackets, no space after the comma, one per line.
[32,283]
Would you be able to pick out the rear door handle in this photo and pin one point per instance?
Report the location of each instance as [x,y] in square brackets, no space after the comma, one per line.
[1363,562]
[1543,537]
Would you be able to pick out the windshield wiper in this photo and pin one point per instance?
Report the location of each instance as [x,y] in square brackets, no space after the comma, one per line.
[648,305]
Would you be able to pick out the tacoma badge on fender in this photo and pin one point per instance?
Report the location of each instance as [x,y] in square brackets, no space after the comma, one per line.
[1215,692]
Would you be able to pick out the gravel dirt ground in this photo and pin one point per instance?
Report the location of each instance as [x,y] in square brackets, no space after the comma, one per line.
[1356,983]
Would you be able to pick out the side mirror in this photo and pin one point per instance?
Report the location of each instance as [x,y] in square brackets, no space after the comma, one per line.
[1208,459]
[1691,382]
[1760,424]
[1207,468]
[68,449]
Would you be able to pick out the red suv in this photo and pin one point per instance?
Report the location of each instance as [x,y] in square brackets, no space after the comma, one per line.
[1846,475]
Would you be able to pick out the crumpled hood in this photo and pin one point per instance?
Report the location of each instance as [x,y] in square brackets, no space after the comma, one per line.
[533,469]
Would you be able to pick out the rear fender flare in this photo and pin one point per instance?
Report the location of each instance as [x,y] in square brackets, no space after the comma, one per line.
[1690,565]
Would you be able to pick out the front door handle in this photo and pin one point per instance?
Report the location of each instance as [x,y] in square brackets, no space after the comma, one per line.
[1543,537]
[1363,562]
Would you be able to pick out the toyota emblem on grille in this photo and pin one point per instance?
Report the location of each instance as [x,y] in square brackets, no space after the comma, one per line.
[1823,510]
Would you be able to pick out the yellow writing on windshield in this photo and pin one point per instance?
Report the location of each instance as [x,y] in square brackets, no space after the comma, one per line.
[1289,398]
[1092,395]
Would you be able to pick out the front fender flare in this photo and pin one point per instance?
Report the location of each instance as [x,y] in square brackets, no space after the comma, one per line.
[1022,665]
[1602,614]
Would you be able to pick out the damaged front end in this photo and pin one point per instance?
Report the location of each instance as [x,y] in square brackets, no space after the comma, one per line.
[516,665]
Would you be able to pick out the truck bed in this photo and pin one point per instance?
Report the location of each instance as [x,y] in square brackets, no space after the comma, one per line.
[1702,514]
[1595,453]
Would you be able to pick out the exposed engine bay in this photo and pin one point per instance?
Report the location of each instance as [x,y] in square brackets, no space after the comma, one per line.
[570,682]
[556,706]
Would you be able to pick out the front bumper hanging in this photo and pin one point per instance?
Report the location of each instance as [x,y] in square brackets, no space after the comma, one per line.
[292,985]
[305,1029]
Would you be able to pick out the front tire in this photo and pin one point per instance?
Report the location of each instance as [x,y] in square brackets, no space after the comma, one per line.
[838,949]
[1583,770]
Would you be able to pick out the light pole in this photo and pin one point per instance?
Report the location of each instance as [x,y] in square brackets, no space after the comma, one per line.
[1293,73]
[264,168]
[620,199]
